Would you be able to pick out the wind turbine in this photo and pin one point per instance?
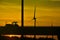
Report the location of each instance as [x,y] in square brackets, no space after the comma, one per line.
[34,18]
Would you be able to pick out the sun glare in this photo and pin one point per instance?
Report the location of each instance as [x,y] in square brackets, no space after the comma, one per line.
[19,36]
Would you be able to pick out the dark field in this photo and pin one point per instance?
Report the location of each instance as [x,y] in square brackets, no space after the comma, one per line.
[16,30]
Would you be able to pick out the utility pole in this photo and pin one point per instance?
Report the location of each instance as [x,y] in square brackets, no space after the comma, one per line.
[22,13]
[22,17]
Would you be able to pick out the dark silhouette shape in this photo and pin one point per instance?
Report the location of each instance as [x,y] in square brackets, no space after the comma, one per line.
[22,13]
[15,38]
[24,38]
[3,38]
[22,16]
[15,29]
[11,29]
[34,18]
[45,39]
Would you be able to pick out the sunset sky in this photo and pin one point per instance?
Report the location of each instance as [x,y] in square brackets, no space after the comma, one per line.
[47,12]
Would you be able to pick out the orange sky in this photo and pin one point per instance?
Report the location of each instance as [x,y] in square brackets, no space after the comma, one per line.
[47,12]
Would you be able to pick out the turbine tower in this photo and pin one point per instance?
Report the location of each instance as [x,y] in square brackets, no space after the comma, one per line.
[51,23]
[52,27]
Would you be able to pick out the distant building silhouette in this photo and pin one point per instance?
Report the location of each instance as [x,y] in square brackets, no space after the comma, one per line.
[11,29]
